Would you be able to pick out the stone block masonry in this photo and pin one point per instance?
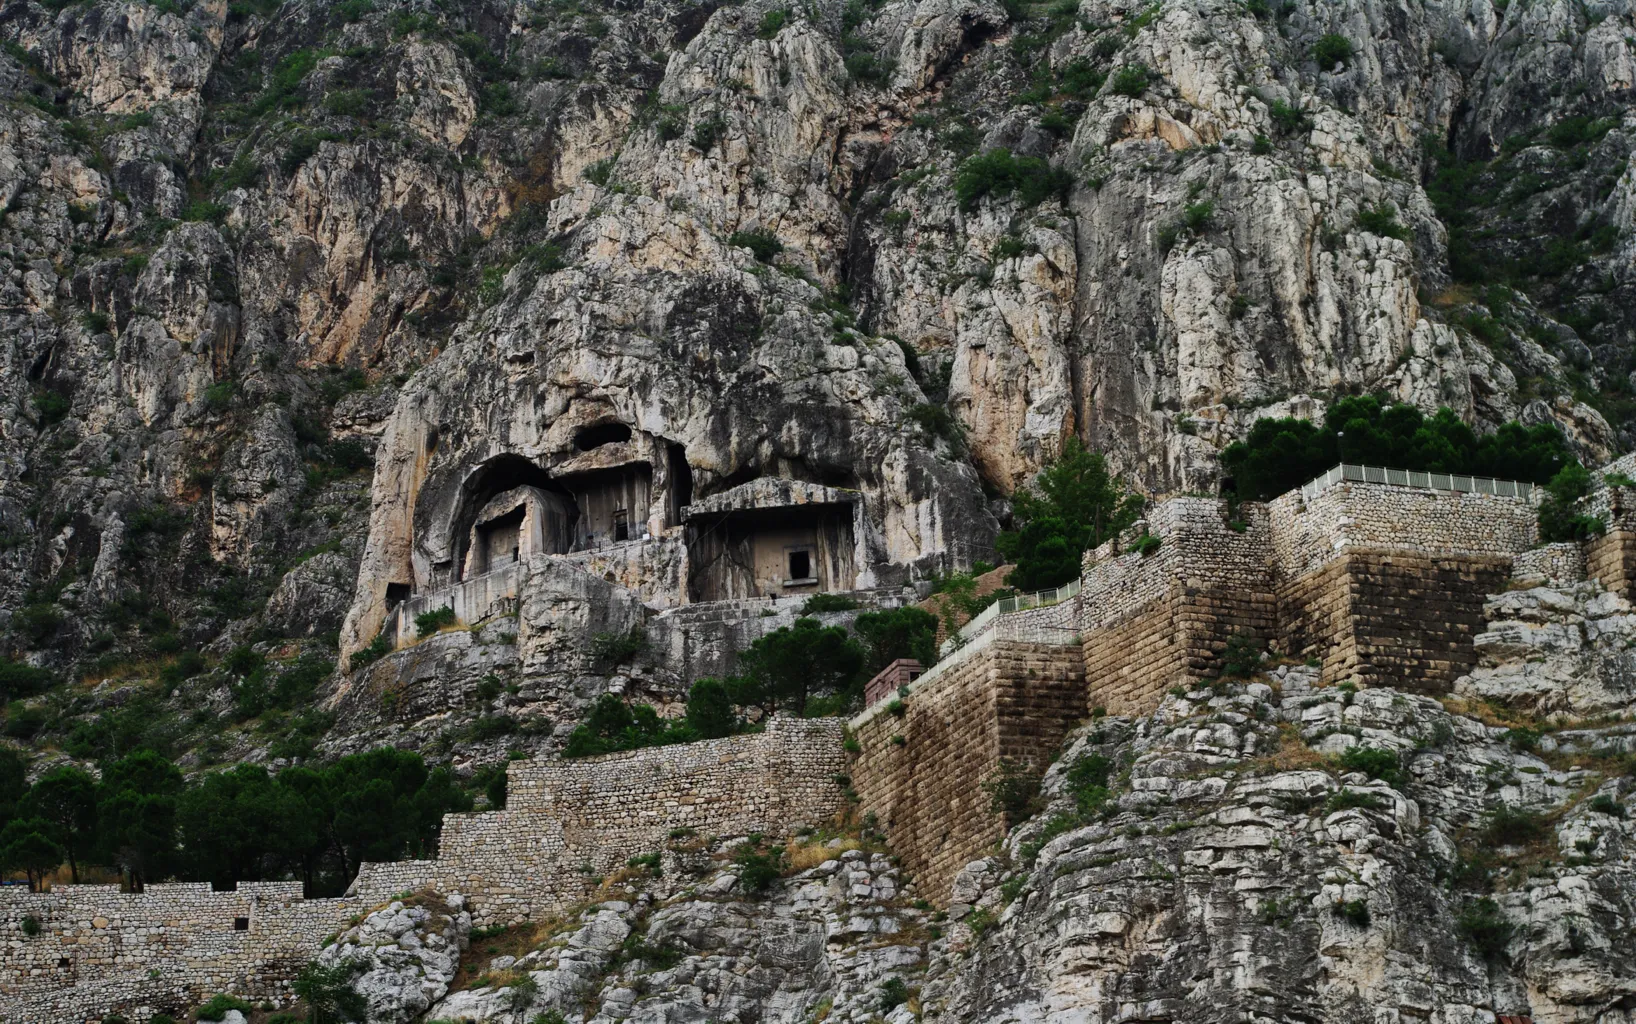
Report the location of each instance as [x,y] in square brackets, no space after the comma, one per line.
[1150,621]
[567,823]
[98,950]
[1391,617]
[921,773]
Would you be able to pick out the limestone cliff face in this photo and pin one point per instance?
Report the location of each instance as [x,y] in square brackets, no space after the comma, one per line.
[284,278]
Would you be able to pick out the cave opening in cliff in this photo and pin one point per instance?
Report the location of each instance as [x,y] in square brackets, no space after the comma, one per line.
[600,435]
[509,509]
[613,504]
[771,552]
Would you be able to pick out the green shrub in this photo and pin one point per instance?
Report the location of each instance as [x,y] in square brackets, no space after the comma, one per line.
[869,68]
[1347,799]
[1330,50]
[1145,545]
[378,648]
[1381,220]
[710,712]
[1509,826]
[1375,762]
[1130,80]
[1288,119]
[218,397]
[427,623]
[893,994]
[759,866]
[1558,520]
[601,172]
[1604,803]
[1087,782]
[347,102]
[1197,216]
[50,407]
[1013,791]
[1282,454]
[1355,912]
[998,173]
[1073,504]
[1482,924]
[612,725]
[828,603]
[610,649]
[1261,145]
[763,244]
[31,925]
[772,23]
[1242,657]
[708,132]
[219,1004]
[1576,131]
[936,421]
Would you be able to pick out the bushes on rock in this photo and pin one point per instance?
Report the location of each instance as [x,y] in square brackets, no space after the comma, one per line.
[1482,924]
[1031,179]
[764,245]
[427,623]
[1375,762]
[1332,49]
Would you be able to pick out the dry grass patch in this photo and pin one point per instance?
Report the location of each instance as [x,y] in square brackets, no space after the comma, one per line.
[1292,754]
[798,857]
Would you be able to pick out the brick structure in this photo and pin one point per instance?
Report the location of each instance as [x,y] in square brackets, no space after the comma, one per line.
[921,772]
[890,679]
[98,950]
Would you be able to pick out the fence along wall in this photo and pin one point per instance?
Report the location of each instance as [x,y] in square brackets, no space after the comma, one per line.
[170,947]
[994,698]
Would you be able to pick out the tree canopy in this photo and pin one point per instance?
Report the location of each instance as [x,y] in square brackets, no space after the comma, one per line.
[1282,454]
[1074,504]
[240,824]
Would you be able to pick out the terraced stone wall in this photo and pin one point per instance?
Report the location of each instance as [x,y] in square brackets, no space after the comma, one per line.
[921,771]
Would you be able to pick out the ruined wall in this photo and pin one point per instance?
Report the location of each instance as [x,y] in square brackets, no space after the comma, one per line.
[170,947]
[1150,621]
[992,699]
[1550,564]
[482,597]
[164,949]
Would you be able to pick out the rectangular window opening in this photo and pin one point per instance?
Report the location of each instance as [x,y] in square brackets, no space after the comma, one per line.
[800,565]
[241,924]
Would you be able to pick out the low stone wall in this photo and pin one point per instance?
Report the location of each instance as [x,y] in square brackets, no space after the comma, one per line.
[1553,564]
[568,822]
[162,950]
[1387,617]
[992,699]
[168,948]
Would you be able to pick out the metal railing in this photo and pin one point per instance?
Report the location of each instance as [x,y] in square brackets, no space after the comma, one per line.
[1457,482]
[1022,602]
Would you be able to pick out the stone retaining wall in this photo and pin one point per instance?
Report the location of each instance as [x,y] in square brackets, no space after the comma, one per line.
[921,772]
[170,947]
[1390,617]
